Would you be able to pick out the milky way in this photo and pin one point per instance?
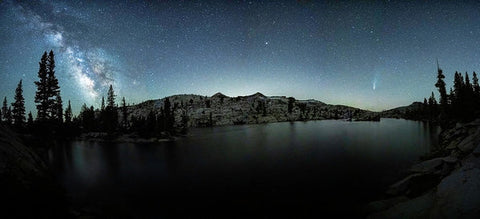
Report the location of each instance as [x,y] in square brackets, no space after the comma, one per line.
[91,68]
[372,54]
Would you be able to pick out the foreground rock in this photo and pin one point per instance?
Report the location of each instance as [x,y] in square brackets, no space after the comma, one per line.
[27,188]
[444,187]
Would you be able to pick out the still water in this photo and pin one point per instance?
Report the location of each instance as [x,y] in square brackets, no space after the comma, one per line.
[299,168]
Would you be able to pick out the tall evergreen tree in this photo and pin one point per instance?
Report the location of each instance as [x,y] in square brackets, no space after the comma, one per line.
[19,106]
[102,108]
[8,118]
[41,95]
[476,87]
[53,89]
[441,87]
[111,114]
[68,113]
[4,109]
[110,97]
[59,109]
[30,119]
[124,113]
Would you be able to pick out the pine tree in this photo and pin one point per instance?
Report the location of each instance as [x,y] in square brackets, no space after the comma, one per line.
[4,109]
[111,97]
[476,87]
[8,118]
[441,87]
[59,109]
[68,113]
[19,106]
[124,112]
[41,95]
[102,108]
[30,119]
[53,89]
[111,114]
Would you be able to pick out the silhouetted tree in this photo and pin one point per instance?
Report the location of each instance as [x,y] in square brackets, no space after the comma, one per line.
[53,90]
[41,95]
[441,88]
[476,87]
[111,114]
[48,89]
[124,113]
[4,109]
[8,118]
[432,105]
[30,120]
[19,106]
[103,104]
[59,109]
[68,113]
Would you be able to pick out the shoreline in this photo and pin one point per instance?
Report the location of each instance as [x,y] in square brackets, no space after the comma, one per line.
[446,184]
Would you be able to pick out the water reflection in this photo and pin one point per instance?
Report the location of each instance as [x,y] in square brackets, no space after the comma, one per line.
[268,165]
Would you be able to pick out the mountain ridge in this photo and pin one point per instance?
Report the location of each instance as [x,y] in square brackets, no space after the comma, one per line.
[192,110]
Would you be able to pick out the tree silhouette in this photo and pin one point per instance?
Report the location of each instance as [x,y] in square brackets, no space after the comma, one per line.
[30,120]
[41,95]
[441,88]
[8,117]
[48,89]
[68,113]
[59,109]
[19,106]
[53,90]
[4,109]
[111,114]
[124,113]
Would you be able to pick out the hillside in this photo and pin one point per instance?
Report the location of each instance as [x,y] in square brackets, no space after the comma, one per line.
[220,109]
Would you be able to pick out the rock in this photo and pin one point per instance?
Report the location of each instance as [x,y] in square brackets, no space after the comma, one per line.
[382,205]
[450,159]
[458,195]
[476,152]
[402,185]
[427,166]
[468,143]
[416,208]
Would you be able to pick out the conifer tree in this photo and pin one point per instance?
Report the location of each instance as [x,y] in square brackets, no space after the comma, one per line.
[102,108]
[30,119]
[68,113]
[111,114]
[53,90]
[111,97]
[59,109]
[441,87]
[4,109]
[476,87]
[124,112]
[8,118]
[19,106]
[41,95]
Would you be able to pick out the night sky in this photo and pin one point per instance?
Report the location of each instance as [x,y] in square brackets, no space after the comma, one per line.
[371,55]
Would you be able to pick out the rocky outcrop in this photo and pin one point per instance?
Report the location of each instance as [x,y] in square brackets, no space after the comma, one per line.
[444,187]
[28,190]
[220,109]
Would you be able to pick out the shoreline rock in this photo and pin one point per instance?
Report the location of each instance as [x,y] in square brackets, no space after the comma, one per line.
[447,186]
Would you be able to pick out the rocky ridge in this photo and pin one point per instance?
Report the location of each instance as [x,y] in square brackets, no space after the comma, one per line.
[220,109]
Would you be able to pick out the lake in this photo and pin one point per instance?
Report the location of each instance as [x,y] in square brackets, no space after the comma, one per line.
[278,169]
